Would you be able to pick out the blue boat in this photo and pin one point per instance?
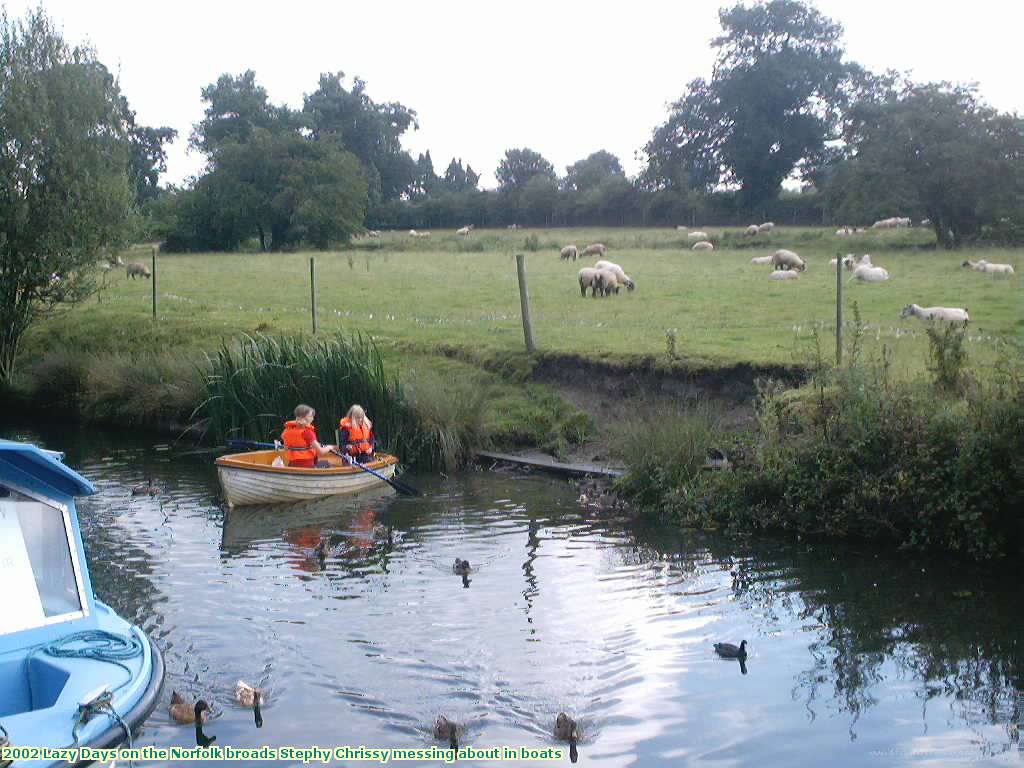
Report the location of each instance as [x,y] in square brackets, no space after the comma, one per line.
[73,673]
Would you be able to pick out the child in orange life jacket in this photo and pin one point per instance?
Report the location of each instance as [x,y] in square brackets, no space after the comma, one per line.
[357,435]
[299,438]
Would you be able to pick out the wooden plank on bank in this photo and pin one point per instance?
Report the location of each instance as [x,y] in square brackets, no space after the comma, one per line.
[550,465]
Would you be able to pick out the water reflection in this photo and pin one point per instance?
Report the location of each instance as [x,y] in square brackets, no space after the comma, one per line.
[364,637]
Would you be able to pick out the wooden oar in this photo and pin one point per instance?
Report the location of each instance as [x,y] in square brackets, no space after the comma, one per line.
[398,485]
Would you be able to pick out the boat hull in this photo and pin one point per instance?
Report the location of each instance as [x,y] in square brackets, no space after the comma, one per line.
[250,478]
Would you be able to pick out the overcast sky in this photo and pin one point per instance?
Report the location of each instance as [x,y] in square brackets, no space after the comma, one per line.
[563,78]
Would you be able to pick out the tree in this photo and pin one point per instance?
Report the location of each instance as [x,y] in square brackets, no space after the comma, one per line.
[537,199]
[935,149]
[426,181]
[519,166]
[236,107]
[371,131]
[147,158]
[587,173]
[64,193]
[773,101]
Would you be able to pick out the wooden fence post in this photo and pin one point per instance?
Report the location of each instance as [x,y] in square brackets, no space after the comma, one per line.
[524,302]
[153,280]
[839,309]
[312,291]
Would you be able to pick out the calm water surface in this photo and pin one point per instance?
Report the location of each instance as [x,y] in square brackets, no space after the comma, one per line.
[857,658]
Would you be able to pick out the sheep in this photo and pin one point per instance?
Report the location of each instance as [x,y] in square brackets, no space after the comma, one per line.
[570,252]
[703,245]
[681,228]
[850,263]
[761,260]
[463,231]
[589,278]
[697,236]
[870,274]
[751,231]
[423,234]
[374,233]
[984,266]
[926,222]
[135,269]
[844,231]
[594,249]
[413,233]
[608,282]
[787,259]
[768,226]
[513,227]
[621,277]
[948,314]
[784,274]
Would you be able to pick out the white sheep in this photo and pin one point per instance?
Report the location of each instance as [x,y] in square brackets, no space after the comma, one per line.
[984,266]
[784,274]
[703,245]
[870,274]
[569,252]
[513,227]
[844,231]
[926,222]
[751,231]
[594,249]
[463,231]
[374,233]
[768,226]
[608,282]
[413,233]
[621,277]
[589,278]
[761,260]
[787,259]
[134,269]
[697,236]
[948,314]
[681,228]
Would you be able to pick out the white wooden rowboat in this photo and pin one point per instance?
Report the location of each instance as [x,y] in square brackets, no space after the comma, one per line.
[251,478]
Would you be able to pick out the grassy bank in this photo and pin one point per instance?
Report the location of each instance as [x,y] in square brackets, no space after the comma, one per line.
[934,463]
[718,309]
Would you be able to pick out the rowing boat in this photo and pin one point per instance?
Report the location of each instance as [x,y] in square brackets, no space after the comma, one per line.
[252,478]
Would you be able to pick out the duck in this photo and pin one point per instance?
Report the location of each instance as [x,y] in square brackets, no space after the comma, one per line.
[251,696]
[146,490]
[446,729]
[322,550]
[730,651]
[566,729]
[380,531]
[461,567]
[185,713]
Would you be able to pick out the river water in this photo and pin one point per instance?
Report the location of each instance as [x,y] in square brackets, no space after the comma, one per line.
[858,657]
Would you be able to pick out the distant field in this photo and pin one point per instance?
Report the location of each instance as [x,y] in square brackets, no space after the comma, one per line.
[462,291]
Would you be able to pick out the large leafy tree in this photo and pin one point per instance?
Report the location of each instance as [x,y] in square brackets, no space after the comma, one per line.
[147,156]
[934,149]
[772,103]
[236,106]
[589,172]
[519,166]
[369,130]
[64,191]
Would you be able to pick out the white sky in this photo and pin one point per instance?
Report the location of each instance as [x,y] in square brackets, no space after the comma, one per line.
[563,78]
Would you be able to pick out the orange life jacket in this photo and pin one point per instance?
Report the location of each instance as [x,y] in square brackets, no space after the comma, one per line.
[298,449]
[358,437]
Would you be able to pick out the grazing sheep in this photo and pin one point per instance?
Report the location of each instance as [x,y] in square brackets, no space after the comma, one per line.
[595,249]
[844,231]
[788,260]
[697,236]
[463,231]
[608,282]
[768,226]
[413,233]
[948,314]
[374,233]
[703,245]
[620,275]
[984,266]
[589,278]
[870,274]
[513,227]
[751,231]
[784,274]
[135,269]
[570,252]
[761,260]
[926,222]
[681,228]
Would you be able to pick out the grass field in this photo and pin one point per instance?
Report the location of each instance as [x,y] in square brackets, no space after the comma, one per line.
[447,290]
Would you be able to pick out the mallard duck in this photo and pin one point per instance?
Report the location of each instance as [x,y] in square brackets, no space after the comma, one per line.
[730,651]
[566,729]
[461,567]
[185,713]
[446,729]
[146,490]
[250,696]
[380,531]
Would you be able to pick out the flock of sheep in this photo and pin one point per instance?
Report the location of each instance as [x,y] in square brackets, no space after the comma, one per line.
[605,278]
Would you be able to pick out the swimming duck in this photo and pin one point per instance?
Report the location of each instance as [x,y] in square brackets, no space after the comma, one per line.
[186,714]
[250,696]
[730,651]
[380,531]
[146,490]
[567,730]
[461,567]
[446,729]
[322,549]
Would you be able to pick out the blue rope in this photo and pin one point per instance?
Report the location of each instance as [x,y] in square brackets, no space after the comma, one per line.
[99,645]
